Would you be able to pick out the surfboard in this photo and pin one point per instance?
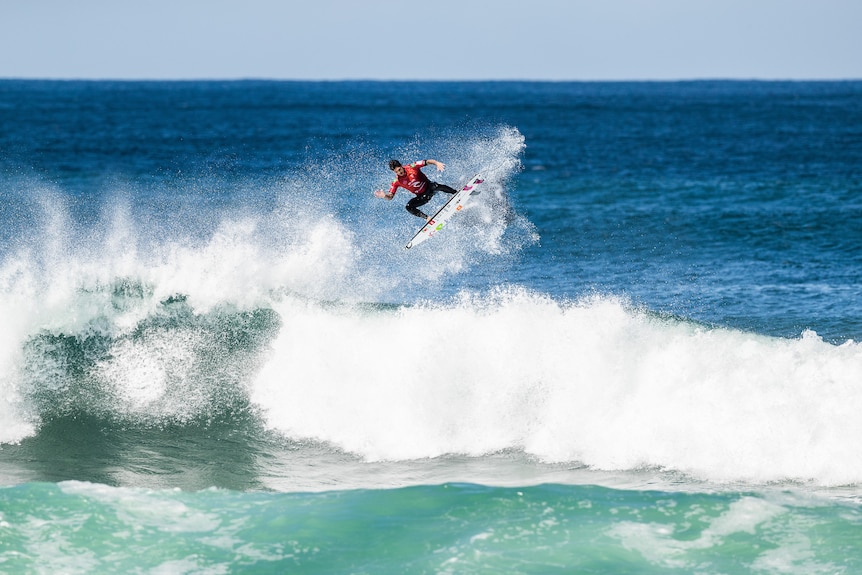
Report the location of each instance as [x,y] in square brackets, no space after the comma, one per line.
[442,216]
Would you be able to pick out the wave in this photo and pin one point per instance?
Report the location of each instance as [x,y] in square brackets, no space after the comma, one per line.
[320,325]
[594,382]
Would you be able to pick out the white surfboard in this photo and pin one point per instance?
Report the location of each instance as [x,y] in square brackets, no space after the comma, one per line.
[449,209]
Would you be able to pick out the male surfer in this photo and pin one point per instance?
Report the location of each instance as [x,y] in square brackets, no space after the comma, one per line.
[414,181]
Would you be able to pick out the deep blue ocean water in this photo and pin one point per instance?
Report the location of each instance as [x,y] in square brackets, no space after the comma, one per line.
[636,351]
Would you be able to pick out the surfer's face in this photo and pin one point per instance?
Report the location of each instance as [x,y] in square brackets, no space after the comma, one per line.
[399,171]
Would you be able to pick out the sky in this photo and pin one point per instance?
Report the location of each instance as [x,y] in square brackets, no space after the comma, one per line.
[432,39]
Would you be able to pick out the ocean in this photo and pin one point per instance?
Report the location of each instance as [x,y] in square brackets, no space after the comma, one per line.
[637,350]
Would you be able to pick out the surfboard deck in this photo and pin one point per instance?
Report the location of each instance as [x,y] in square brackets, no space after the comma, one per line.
[442,216]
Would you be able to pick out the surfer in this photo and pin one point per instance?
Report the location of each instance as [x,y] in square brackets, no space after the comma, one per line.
[414,181]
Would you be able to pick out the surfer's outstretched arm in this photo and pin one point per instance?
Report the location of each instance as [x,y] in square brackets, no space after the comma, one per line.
[439,165]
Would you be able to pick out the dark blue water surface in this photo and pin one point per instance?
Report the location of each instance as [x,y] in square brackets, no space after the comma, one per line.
[731,203]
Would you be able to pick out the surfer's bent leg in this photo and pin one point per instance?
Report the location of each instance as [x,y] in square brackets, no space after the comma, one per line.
[442,188]
[420,200]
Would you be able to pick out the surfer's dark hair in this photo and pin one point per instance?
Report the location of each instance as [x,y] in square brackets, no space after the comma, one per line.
[394,164]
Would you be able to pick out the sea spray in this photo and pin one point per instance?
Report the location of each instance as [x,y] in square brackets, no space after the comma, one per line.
[118,312]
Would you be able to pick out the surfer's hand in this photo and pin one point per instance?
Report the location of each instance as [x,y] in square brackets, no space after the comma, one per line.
[384,195]
[436,164]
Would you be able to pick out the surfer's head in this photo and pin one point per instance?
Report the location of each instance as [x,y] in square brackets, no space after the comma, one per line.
[396,167]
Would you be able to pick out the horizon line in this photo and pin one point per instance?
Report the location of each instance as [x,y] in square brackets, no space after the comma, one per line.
[420,80]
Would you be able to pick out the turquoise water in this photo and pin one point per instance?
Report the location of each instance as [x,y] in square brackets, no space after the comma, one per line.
[637,351]
[455,528]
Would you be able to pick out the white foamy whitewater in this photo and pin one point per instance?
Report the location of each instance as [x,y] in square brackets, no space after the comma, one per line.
[593,382]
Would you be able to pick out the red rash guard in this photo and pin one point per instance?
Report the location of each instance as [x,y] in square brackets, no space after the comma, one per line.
[414,181]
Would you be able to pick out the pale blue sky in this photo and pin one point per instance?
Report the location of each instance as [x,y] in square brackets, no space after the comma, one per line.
[442,39]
